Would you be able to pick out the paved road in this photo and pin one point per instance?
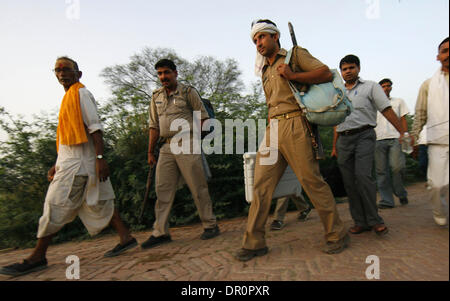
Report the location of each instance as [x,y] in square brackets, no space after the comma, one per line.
[415,249]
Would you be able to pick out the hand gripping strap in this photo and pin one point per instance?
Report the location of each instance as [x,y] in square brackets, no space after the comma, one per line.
[337,99]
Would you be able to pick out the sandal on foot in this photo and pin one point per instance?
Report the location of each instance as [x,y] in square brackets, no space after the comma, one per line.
[380,229]
[358,229]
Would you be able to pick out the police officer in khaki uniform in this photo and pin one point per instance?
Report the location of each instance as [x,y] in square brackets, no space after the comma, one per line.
[294,144]
[170,104]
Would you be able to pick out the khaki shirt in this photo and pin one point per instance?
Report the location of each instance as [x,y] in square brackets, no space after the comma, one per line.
[279,97]
[164,109]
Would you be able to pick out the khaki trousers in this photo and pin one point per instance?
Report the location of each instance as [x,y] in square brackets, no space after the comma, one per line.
[295,149]
[168,171]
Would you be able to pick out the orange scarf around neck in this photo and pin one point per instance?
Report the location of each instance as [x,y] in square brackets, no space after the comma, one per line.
[70,122]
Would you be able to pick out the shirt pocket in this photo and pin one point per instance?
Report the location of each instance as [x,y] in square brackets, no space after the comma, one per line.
[159,106]
[359,102]
[178,105]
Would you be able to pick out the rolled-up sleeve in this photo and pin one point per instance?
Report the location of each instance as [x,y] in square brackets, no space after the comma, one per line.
[89,111]
[197,104]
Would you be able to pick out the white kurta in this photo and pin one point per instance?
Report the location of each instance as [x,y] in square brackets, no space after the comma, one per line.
[95,202]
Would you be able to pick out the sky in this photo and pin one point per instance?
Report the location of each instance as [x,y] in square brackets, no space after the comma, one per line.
[397,39]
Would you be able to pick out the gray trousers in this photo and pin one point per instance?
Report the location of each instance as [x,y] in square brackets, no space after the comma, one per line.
[355,160]
[389,157]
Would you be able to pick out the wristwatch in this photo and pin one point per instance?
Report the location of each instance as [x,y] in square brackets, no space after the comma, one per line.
[99,156]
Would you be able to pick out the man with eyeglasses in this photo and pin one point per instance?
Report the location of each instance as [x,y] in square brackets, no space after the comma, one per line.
[294,144]
[79,180]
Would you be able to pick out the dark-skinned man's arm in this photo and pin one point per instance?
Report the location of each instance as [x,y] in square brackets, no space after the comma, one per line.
[335,137]
[316,76]
[404,123]
[390,115]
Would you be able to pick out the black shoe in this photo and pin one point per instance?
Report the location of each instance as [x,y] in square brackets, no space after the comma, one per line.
[404,201]
[276,225]
[303,216]
[119,249]
[155,241]
[382,206]
[246,254]
[19,269]
[210,233]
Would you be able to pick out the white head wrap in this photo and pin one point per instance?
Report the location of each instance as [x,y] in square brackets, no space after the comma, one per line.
[262,27]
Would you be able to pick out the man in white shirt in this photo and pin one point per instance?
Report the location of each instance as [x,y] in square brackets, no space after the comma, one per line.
[79,180]
[432,110]
[388,154]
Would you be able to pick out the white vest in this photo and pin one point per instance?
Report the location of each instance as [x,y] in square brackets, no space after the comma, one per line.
[437,108]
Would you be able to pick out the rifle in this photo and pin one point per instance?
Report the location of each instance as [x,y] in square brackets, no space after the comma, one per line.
[312,129]
[149,181]
[147,191]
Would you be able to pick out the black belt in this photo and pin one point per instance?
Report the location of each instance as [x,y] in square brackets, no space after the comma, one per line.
[355,131]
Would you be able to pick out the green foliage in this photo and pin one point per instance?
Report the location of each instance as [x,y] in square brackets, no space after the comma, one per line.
[25,160]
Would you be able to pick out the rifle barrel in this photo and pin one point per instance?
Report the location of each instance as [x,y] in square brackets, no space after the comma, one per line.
[291,31]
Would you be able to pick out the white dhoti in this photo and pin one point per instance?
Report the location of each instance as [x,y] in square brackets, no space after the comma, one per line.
[76,189]
[437,173]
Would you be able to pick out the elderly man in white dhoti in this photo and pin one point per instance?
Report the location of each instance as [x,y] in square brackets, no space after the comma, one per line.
[80,182]
[432,111]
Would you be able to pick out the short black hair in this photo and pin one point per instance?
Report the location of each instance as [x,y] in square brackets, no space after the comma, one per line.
[268,22]
[166,63]
[75,65]
[349,59]
[444,41]
[385,80]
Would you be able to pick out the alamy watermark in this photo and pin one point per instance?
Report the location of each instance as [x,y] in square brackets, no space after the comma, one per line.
[373,9]
[188,140]
[73,270]
[373,270]
[73,10]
